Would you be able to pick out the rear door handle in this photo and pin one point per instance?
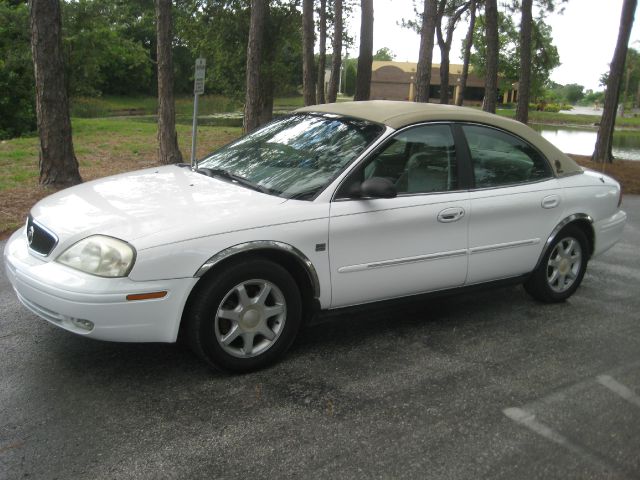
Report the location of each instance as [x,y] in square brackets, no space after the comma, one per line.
[452,214]
[550,201]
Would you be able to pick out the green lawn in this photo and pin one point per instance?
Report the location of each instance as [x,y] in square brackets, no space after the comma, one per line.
[111,105]
[569,119]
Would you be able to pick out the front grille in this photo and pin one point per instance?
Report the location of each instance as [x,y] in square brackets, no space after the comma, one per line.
[39,238]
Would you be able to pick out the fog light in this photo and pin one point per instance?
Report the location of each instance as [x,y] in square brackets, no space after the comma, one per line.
[82,324]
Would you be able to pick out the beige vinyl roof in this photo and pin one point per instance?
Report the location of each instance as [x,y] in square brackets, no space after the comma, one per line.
[397,115]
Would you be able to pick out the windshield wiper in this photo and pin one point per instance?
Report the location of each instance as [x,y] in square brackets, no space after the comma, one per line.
[245,182]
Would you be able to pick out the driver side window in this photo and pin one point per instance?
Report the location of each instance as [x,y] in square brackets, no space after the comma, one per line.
[418,160]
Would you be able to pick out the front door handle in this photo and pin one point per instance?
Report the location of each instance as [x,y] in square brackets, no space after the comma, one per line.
[550,201]
[452,214]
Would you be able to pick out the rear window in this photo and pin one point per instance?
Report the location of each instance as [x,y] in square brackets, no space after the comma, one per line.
[501,159]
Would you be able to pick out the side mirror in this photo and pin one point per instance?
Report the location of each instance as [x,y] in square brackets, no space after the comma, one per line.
[376,187]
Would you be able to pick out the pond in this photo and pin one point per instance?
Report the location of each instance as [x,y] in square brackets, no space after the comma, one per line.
[581,140]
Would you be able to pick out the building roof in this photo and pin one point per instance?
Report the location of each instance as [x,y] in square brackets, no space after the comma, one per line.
[412,67]
[397,115]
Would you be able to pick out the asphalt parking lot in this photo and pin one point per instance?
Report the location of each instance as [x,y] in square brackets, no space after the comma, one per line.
[483,385]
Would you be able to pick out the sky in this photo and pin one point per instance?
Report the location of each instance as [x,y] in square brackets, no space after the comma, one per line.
[585,36]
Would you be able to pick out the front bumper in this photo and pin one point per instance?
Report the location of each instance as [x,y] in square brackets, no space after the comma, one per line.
[63,296]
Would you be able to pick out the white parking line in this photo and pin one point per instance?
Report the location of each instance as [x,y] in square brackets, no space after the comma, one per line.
[619,389]
[528,420]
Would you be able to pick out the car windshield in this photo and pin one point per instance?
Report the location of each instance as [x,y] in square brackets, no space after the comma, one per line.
[296,156]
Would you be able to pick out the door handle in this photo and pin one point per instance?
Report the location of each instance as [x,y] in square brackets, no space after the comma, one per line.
[550,201]
[452,214]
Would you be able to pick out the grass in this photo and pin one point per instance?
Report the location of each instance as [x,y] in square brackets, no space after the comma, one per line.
[551,118]
[112,105]
[103,146]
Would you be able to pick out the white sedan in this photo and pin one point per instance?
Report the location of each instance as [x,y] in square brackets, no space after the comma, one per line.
[333,206]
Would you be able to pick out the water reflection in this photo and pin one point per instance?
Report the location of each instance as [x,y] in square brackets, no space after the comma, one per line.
[581,141]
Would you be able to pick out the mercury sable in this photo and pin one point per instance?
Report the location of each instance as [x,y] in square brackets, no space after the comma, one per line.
[333,206]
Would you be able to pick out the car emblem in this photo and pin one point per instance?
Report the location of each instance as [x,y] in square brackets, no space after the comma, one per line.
[30,233]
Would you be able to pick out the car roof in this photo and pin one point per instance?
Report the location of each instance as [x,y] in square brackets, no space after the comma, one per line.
[397,114]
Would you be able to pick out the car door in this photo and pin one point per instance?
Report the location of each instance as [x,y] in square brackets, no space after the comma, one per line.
[514,205]
[381,248]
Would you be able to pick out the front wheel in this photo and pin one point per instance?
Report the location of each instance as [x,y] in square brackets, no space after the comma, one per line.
[245,316]
[562,268]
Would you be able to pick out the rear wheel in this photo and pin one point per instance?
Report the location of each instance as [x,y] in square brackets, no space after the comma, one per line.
[246,316]
[562,268]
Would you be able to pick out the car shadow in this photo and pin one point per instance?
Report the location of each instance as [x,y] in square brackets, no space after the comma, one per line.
[432,318]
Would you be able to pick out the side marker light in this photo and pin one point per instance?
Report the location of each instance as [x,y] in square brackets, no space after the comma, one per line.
[146,296]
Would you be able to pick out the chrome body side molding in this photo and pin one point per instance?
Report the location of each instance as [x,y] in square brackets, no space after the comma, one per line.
[502,246]
[401,261]
[265,245]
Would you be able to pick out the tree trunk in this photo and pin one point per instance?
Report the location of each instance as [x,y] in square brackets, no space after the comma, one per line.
[526,24]
[426,51]
[308,84]
[491,81]
[365,57]
[336,58]
[604,141]
[444,74]
[253,100]
[168,151]
[445,45]
[266,112]
[322,55]
[468,43]
[57,161]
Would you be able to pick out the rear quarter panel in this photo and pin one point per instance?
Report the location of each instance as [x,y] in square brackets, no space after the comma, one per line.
[592,193]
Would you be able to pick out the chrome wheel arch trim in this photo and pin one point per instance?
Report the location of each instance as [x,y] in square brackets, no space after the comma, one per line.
[554,233]
[302,259]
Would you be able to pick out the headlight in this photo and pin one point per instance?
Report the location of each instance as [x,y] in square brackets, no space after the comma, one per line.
[100,255]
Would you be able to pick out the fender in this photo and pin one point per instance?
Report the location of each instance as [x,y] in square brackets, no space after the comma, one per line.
[264,245]
[558,228]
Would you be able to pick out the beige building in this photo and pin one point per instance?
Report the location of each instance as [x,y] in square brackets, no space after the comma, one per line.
[397,81]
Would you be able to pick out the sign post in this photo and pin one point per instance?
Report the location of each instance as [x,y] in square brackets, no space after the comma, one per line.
[198,89]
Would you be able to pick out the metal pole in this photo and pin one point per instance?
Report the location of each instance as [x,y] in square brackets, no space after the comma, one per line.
[194,162]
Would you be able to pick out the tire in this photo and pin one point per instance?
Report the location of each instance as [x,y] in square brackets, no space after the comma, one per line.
[562,267]
[245,317]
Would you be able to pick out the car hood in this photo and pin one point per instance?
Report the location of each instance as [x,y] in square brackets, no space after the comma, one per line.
[155,206]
